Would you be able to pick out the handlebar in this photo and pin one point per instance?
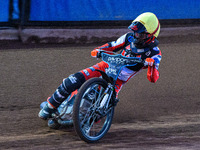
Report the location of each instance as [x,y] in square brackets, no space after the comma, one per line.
[117,58]
[100,52]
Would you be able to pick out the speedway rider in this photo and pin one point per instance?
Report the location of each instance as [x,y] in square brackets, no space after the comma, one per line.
[142,42]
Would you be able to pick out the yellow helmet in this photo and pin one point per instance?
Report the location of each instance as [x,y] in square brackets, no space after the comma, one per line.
[149,21]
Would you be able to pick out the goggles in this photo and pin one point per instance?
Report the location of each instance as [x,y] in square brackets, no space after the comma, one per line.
[142,36]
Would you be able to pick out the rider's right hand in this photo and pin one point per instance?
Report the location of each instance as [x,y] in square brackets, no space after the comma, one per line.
[95,53]
[149,62]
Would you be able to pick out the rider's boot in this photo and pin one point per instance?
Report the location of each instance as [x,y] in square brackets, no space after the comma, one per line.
[68,85]
[46,111]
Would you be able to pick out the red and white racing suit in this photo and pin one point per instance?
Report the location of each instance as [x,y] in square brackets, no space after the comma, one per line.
[124,44]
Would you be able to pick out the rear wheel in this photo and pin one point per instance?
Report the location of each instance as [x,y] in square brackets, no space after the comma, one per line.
[89,124]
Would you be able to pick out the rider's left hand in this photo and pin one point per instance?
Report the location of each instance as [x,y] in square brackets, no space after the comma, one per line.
[149,62]
[95,53]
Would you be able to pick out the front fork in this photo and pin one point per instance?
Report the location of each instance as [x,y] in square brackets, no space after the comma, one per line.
[107,96]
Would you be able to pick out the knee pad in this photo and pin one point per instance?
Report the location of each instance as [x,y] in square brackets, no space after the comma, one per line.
[73,82]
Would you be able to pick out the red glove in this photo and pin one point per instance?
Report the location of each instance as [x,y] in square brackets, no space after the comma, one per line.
[152,73]
[149,62]
[95,53]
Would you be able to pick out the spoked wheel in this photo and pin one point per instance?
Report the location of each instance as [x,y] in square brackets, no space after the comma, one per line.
[89,123]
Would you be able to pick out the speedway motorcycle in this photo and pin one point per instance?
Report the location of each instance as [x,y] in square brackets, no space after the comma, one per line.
[90,109]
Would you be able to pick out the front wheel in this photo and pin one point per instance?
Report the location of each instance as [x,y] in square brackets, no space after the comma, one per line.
[89,124]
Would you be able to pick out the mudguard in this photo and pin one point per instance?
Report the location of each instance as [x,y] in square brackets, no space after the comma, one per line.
[105,76]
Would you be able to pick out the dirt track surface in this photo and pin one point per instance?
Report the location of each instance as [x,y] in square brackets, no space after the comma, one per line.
[164,116]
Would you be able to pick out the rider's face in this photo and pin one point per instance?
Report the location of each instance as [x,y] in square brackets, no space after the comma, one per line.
[141,36]
[140,39]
